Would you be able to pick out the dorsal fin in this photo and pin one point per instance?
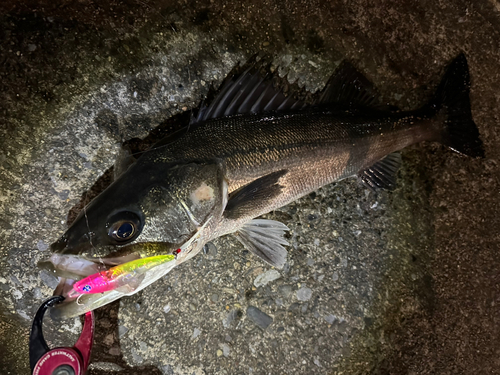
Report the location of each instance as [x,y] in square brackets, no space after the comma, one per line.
[253,91]
[348,87]
[248,92]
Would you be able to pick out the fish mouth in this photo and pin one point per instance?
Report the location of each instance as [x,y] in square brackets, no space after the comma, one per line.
[72,268]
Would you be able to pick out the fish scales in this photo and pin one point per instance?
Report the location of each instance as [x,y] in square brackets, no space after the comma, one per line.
[335,145]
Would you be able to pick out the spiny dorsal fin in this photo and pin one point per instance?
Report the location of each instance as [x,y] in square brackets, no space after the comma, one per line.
[245,93]
[382,174]
[265,238]
[244,199]
[253,91]
[348,87]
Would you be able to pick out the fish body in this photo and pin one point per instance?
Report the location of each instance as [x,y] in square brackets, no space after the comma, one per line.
[253,150]
[315,147]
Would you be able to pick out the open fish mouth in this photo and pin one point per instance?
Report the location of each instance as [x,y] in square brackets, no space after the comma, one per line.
[91,282]
[73,268]
[87,302]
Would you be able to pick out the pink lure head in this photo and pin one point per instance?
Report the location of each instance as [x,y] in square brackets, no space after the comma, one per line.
[97,283]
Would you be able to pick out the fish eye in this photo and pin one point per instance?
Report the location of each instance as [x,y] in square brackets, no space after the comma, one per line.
[124,227]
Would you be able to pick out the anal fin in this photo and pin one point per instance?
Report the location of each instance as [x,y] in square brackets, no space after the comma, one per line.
[383,173]
[265,238]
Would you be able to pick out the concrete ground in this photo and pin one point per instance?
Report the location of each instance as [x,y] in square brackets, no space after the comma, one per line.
[382,283]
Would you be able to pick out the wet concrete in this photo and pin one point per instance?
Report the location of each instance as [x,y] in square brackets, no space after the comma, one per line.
[402,282]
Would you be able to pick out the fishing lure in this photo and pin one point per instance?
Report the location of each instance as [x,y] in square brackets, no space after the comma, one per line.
[118,276]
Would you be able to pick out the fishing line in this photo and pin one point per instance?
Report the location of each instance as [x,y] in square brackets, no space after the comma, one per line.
[89,233]
[155,11]
[165,145]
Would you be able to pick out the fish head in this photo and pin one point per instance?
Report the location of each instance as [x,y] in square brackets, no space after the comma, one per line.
[153,208]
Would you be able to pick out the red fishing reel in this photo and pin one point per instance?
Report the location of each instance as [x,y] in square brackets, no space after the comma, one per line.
[64,360]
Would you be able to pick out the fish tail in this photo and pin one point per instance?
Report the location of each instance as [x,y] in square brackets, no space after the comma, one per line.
[452,103]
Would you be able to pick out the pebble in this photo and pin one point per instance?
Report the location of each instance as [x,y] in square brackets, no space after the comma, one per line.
[294,307]
[143,346]
[167,370]
[214,297]
[122,330]
[114,351]
[335,276]
[16,294]
[266,277]
[196,333]
[37,293]
[210,250]
[312,63]
[304,294]
[330,318]
[42,246]
[108,367]
[304,307]
[24,315]
[261,319]
[63,195]
[285,290]
[108,340]
[226,322]
[135,356]
[166,309]
[225,350]
[219,353]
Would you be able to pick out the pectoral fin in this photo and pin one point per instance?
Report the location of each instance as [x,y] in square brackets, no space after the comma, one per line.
[265,238]
[382,174]
[243,201]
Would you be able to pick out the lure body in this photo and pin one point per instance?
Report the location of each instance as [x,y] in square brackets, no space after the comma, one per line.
[117,276]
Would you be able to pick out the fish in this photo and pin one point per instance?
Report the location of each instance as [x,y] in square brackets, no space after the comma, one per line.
[251,150]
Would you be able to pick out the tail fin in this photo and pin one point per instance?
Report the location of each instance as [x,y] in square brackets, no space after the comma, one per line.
[452,100]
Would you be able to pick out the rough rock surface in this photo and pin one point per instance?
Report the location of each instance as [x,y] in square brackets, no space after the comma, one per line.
[402,282]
